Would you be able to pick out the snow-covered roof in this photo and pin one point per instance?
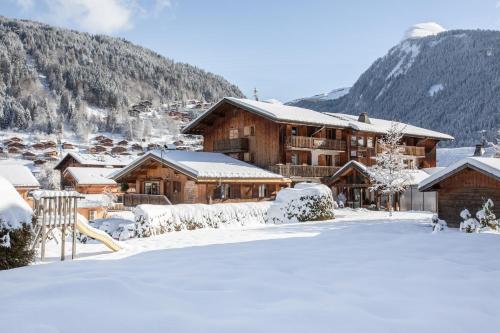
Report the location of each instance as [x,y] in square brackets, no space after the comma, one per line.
[293,114]
[18,175]
[382,126]
[97,159]
[95,200]
[275,112]
[486,165]
[92,176]
[417,175]
[14,210]
[201,165]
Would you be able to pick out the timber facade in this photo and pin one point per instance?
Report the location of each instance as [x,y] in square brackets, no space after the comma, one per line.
[309,150]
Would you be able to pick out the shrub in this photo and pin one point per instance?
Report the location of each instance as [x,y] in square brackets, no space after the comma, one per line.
[486,217]
[15,246]
[305,202]
[153,220]
[438,224]
[469,224]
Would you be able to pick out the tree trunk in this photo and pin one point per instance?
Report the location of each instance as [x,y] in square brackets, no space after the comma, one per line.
[391,199]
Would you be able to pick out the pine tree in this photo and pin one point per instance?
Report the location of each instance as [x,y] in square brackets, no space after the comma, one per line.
[389,175]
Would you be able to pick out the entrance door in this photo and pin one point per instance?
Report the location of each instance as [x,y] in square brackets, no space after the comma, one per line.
[357,197]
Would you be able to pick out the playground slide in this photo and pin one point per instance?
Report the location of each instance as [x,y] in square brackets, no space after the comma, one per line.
[83,226]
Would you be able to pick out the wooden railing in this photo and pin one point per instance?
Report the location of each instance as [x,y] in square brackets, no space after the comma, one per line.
[131,200]
[315,143]
[407,150]
[231,145]
[304,171]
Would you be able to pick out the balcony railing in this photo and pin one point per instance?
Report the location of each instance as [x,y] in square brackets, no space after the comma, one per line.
[303,171]
[315,143]
[407,150]
[231,145]
[131,200]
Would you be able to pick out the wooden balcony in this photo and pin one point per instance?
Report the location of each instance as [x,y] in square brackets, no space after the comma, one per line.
[132,200]
[303,171]
[305,142]
[408,150]
[231,145]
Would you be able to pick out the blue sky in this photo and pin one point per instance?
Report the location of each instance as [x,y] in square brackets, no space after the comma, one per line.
[287,49]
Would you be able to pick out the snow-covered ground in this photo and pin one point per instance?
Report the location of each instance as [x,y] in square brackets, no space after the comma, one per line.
[359,273]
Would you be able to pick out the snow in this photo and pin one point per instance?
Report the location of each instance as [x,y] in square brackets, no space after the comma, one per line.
[14,211]
[382,126]
[421,30]
[204,165]
[362,272]
[488,165]
[447,156]
[411,52]
[18,175]
[95,200]
[92,176]
[305,201]
[155,219]
[330,96]
[100,159]
[435,89]
[275,112]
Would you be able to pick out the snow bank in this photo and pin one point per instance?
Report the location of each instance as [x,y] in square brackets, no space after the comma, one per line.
[153,220]
[304,202]
[14,211]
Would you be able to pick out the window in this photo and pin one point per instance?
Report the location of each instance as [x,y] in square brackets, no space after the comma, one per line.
[329,160]
[176,187]
[295,159]
[92,215]
[152,188]
[353,140]
[361,153]
[263,191]
[233,133]
[248,157]
[361,141]
[249,131]
[354,153]
[295,131]
[369,142]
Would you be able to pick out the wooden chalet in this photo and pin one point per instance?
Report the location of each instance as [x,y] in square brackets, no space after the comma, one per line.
[14,150]
[17,145]
[123,143]
[38,146]
[118,150]
[29,156]
[162,177]
[68,145]
[51,154]
[99,149]
[73,159]
[21,178]
[466,184]
[49,144]
[303,144]
[352,183]
[137,147]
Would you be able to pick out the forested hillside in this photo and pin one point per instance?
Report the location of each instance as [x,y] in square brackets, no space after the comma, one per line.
[50,75]
[448,82]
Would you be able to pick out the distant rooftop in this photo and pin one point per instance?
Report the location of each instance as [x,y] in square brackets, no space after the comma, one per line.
[18,175]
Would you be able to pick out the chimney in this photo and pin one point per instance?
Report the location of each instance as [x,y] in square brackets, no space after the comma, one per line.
[479,150]
[363,118]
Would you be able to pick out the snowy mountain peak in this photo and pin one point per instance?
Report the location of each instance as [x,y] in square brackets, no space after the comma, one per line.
[421,30]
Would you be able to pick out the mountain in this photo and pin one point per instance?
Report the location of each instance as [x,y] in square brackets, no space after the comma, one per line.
[50,75]
[332,95]
[447,81]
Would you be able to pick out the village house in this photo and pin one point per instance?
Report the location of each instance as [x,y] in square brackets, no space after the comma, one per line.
[28,155]
[96,187]
[21,178]
[68,145]
[466,184]
[303,144]
[170,176]
[353,180]
[118,150]
[73,159]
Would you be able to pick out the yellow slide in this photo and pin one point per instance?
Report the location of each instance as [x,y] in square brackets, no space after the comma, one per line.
[82,225]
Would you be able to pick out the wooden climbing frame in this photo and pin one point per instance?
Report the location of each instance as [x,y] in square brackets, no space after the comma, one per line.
[55,210]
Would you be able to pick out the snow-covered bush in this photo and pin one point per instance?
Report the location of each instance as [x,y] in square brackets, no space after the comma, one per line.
[469,224]
[304,202]
[486,217]
[118,228]
[16,218]
[438,224]
[153,220]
